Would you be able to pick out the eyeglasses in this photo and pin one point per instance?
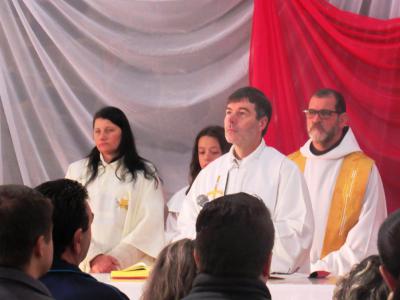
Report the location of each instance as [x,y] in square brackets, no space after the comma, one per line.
[323,113]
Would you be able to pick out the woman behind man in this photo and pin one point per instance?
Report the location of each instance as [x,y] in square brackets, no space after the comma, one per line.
[173,272]
[124,194]
[210,143]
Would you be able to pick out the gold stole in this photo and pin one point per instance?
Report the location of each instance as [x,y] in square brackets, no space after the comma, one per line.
[347,197]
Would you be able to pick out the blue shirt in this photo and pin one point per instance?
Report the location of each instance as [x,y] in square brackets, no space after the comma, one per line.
[67,282]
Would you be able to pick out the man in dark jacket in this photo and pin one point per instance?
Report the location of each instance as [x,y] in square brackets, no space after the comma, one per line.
[234,240]
[72,219]
[26,248]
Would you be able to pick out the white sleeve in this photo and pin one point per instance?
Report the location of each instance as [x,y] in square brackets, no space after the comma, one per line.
[362,238]
[171,226]
[144,224]
[77,170]
[293,221]
[128,255]
[189,212]
[70,173]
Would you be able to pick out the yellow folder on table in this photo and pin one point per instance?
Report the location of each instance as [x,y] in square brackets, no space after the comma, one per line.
[138,271]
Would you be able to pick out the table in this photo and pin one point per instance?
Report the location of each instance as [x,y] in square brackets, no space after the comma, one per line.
[300,287]
[289,287]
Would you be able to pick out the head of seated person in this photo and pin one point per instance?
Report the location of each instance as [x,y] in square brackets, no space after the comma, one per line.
[364,281]
[26,247]
[25,230]
[389,250]
[173,272]
[234,237]
[72,218]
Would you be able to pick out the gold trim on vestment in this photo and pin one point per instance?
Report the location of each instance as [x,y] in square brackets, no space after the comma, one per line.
[347,197]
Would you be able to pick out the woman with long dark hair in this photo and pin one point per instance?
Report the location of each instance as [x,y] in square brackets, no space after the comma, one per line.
[124,194]
[210,143]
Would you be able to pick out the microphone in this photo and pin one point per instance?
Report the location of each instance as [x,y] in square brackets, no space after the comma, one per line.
[202,200]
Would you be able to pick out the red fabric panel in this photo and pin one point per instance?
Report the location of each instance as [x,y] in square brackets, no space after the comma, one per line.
[299,46]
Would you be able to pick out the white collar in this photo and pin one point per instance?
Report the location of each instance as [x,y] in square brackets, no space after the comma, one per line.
[347,145]
[113,164]
[251,157]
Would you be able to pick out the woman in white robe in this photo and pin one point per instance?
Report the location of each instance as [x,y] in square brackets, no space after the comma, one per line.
[125,196]
[210,143]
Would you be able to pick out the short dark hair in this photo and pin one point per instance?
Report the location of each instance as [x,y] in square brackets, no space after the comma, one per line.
[70,214]
[235,236]
[25,215]
[216,132]
[388,243]
[340,104]
[262,105]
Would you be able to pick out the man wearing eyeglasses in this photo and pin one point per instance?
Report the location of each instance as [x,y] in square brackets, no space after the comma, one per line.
[346,190]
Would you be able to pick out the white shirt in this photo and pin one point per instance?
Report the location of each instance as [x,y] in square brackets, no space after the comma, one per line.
[128,215]
[320,173]
[275,179]
[174,208]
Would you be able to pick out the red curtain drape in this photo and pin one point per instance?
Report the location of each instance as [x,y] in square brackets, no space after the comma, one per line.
[299,46]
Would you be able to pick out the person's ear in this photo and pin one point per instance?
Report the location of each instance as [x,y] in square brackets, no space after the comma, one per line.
[41,257]
[39,250]
[389,279]
[263,123]
[77,241]
[344,119]
[196,259]
[267,267]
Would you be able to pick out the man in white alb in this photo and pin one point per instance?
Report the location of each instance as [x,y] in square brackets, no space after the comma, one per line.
[345,187]
[254,168]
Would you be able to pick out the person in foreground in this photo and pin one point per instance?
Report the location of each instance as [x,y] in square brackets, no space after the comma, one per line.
[346,190]
[173,272]
[210,143]
[363,282]
[252,167]
[125,195]
[72,220]
[26,247]
[233,248]
[389,252]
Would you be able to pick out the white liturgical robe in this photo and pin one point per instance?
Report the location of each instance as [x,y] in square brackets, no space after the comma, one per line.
[128,215]
[269,175]
[174,208]
[321,172]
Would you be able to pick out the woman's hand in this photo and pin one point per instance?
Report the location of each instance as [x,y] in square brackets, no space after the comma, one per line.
[104,264]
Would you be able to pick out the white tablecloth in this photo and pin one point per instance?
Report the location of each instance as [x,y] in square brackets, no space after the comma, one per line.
[294,287]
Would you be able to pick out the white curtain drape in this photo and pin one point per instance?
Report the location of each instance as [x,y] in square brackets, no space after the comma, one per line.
[168,64]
